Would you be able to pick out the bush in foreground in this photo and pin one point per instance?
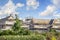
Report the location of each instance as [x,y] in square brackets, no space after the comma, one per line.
[11,32]
[28,37]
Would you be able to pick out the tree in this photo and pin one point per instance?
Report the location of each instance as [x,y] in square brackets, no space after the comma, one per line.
[17,24]
[18,29]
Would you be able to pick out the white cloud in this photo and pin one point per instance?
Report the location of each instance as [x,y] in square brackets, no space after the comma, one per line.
[56,3]
[32,4]
[56,14]
[50,9]
[19,5]
[10,8]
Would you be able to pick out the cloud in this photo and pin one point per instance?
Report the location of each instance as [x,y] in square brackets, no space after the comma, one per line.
[56,3]
[56,14]
[10,8]
[32,4]
[19,5]
[49,10]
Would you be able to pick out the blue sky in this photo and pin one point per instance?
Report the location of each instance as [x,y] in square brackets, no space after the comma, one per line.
[40,9]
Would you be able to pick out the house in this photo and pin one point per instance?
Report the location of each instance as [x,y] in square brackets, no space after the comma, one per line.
[42,24]
[7,23]
[31,23]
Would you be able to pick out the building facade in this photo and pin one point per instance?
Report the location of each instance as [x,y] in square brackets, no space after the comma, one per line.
[42,24]
[31,23]
[7,23]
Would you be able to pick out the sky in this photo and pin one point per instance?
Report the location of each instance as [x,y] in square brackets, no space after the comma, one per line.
[39,9]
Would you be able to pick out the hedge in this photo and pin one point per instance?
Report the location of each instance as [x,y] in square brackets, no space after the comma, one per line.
[21,37]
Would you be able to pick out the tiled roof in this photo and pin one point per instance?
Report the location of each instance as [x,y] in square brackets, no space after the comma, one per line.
[6,18]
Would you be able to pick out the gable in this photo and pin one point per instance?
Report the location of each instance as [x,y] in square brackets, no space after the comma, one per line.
[10,17]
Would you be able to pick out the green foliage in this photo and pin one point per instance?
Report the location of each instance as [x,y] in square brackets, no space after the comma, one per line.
[25,32]
[18,29]
[53,38]
[6,32]
[52,30]
[17,24]
[28,37]
[11,32]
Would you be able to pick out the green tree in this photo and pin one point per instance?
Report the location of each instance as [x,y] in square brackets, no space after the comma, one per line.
[17,24]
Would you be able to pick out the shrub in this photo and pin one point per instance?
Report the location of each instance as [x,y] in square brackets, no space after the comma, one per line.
[53,38]
[11,32]
[5,32]
[34,37]
[24,32]
[52,30]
